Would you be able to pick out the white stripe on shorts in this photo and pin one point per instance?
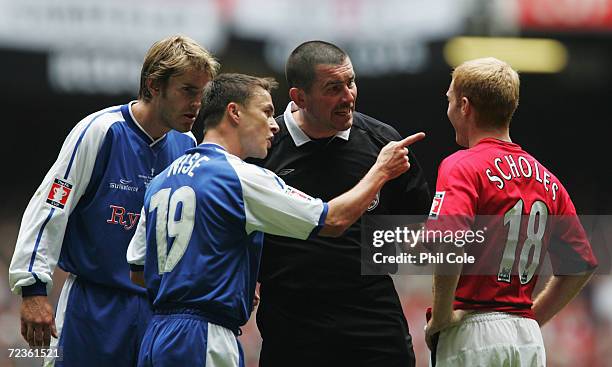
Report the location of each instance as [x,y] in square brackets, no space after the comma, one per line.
[221,347]
[60,314]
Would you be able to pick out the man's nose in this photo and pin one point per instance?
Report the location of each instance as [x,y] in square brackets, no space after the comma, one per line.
[347,95]
[273,125]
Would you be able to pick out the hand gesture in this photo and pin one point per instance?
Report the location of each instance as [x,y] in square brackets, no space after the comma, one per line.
[393,159]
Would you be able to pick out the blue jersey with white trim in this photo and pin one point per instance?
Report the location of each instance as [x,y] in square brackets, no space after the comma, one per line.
[84,213]
[205,216]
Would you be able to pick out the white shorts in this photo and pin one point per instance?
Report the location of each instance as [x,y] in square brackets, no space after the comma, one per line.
[491,339]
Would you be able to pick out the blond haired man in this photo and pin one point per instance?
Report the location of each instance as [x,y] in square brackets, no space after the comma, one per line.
[84,213]
[483,313]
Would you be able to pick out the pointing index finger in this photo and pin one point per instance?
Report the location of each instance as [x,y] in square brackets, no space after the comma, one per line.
[412,139]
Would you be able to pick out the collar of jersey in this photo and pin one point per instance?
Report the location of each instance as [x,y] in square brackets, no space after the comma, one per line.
[496,141]
[298,135]
[214,145]
[135,125]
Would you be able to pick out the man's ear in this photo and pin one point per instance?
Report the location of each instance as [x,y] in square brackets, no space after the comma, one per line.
[153,86]
[466,106]
[233,112]
[298,96]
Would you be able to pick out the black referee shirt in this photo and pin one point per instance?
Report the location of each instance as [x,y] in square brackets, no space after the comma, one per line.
[326,168]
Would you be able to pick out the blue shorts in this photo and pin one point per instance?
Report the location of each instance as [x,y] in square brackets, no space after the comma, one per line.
[188,340]
[99,326]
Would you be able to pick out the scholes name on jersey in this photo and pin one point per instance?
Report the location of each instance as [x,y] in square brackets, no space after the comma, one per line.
[510,168]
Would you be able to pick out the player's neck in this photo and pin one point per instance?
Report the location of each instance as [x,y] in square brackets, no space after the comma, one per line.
[478,134]
[311,128]
[148,119]
[230,145]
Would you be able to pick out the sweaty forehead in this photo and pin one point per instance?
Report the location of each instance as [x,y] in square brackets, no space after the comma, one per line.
[328,73]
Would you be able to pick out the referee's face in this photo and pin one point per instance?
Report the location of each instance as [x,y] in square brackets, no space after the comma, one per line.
[330,102]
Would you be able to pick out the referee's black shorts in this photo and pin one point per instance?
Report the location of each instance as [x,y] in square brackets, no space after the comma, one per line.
[365,327]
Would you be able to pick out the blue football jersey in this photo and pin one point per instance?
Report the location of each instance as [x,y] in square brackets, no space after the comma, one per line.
[205,216]
[85,212]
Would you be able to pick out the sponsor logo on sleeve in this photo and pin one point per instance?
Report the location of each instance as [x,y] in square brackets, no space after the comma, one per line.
[297,193]
[436,205]
[59,193]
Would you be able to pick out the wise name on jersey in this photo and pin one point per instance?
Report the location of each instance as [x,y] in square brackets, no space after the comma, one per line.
[186,164]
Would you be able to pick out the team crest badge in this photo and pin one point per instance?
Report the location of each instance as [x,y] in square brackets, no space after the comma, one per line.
[436,205]
[59,193]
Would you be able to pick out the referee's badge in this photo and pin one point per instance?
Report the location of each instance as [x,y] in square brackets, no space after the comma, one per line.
[374,202]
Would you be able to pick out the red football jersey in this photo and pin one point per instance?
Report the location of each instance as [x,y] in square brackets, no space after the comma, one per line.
[522,209]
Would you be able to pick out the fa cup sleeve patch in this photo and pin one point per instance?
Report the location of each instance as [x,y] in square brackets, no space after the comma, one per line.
[436,205]
[59,193]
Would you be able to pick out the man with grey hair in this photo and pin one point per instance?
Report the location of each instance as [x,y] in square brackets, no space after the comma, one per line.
[84,213]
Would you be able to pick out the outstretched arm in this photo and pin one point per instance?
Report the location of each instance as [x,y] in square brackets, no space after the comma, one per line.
[348,207]
[273,207]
